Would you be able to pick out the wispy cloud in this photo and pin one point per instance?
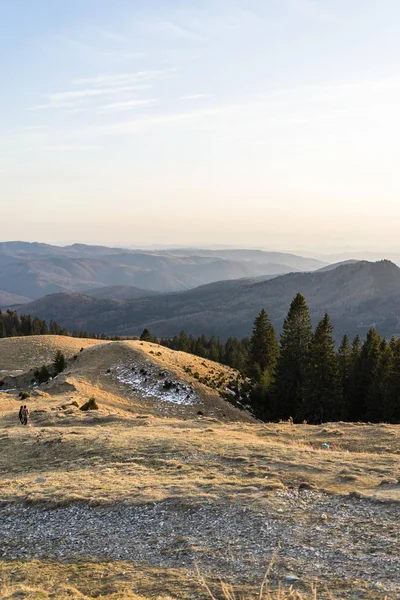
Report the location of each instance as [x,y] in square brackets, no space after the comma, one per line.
[314,10]
[71,98]
[94,88]
[194,97]
[123,78]
[99,44]
[128,105]
[172,30]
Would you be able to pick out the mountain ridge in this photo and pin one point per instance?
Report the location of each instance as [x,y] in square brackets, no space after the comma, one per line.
[34,270]
[357,296]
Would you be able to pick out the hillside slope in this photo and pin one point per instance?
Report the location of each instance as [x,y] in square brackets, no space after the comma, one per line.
[118,292]
[128,376]
[24,353]
[357,296]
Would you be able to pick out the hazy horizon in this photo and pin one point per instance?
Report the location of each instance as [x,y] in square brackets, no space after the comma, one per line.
[247,123]
[334,255]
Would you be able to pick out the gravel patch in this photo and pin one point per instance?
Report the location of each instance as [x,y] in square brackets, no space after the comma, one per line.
[319,536]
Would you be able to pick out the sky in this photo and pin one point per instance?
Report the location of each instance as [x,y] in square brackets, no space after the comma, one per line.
[262,123]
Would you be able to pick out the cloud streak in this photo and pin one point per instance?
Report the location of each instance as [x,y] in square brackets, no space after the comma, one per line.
[128,105]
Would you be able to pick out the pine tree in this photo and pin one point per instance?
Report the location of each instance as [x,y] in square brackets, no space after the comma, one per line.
[322,387]
[263,349]
[379,392]
[183,342]
[146,336]
[200,348]
[59,362]
[261,364]
[345,369]
[392,407]
[36,326]
[213,353]
[236,354]
[293,360]
[26,325]
[365,374]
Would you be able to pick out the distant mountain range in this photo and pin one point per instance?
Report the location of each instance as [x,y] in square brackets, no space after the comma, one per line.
[33,270]
[7,299]
[119,292]
[357,295]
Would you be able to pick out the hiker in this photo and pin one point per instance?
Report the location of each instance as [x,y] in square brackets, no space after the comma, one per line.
[25,415]
[21,410]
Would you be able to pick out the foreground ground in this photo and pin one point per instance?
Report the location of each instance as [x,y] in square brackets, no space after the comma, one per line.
[146,498]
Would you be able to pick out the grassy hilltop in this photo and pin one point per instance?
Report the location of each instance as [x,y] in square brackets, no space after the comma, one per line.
[167,486]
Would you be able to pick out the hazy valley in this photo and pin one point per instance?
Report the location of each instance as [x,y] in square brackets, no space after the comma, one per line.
[357,295]
[35,270]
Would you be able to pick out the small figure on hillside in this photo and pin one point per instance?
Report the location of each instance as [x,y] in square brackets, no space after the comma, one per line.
[25,415]
[21,410]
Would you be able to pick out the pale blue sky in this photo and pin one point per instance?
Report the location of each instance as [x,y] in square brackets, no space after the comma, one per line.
[270,123]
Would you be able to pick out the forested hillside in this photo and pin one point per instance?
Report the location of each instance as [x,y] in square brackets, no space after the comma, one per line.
[303,376]
[357,296]
[13,325]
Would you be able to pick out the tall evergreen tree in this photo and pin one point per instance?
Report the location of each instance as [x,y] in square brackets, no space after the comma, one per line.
[59,362]
[183,342]
[322,389]
[146,336]
[293,360]
[392,407]
[365,375]
[379,391]
[263,349]
[261,363]
[345,369]
[26,325]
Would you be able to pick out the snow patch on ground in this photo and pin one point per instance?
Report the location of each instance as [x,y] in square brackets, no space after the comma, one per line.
[153,383]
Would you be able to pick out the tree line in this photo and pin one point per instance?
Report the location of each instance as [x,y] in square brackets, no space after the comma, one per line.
[13,325]
[303,376]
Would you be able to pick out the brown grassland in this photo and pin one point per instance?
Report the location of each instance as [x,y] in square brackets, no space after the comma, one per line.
[137,454]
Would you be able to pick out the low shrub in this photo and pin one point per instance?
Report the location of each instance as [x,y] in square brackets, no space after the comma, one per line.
[90,405]
[42,375]
[24,395]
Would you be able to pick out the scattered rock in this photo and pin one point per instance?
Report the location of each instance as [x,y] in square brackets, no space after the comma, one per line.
[304,485]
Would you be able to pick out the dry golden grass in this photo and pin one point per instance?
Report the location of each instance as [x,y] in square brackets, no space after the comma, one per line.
[37,580]
[101,460]
[85,375]
[24,353]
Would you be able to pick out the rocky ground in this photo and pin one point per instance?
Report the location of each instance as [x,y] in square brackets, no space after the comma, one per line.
[349,544]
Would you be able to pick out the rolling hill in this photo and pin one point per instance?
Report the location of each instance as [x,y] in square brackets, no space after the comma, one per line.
[356,295]
[118,292]
[34,270]
[122,375]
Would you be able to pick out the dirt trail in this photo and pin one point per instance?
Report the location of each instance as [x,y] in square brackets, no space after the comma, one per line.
[350,545]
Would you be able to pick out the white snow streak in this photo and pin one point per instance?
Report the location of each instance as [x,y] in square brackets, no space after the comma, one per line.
[152,383]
